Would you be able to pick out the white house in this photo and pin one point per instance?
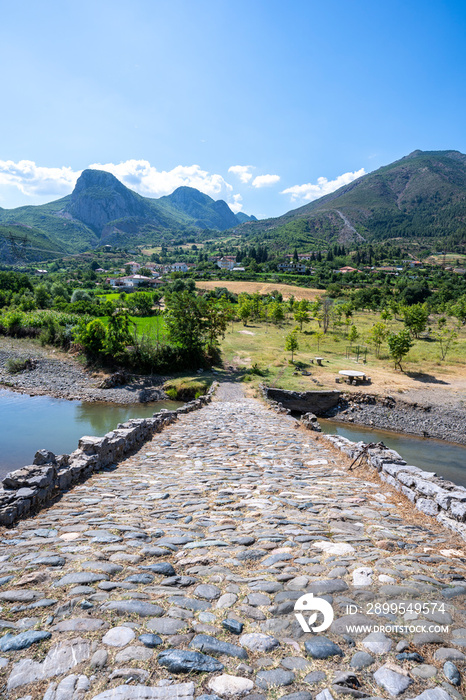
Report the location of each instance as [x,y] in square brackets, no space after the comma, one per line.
[227,263]
[180,267]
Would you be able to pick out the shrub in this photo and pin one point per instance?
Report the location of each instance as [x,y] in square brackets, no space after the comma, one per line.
[16,364]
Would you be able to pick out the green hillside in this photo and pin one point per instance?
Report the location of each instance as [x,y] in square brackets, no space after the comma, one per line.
[25,243]
[420,196]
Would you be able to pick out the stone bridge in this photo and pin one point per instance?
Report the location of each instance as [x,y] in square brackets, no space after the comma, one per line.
[176,574]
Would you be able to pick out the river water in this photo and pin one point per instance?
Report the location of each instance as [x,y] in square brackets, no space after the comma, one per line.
[444,458]
[30,423]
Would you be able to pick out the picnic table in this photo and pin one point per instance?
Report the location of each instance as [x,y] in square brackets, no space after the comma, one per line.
[353,375]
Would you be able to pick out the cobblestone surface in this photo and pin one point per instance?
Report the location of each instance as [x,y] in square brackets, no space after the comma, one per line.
[176,576]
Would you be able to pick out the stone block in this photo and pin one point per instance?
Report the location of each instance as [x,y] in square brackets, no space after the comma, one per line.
[458,510]
[427,506]
[44,457]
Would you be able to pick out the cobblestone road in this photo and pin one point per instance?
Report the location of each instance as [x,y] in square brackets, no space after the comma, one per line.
[176,576]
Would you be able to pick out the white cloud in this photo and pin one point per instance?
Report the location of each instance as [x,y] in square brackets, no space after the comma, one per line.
[33,180]
[242,171]
[40,183]
[236,205]
[265,180]
[141,176]
[310,191]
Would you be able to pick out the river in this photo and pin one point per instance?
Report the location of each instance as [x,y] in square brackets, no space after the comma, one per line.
[444,458]
[29,423]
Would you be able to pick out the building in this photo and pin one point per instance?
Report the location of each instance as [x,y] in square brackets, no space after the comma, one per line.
[293,267]
[179,267]
[227,263]
[132,281]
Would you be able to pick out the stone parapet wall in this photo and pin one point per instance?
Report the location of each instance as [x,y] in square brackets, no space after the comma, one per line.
[27,490]
[431,494]
[318,402]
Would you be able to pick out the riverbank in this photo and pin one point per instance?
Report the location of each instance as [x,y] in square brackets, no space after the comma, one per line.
[439,420]
[62,376]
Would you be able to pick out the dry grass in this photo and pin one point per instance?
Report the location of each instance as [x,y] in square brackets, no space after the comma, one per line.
[287,290]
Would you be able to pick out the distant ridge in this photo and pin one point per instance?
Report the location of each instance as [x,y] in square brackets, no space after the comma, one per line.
[421,195]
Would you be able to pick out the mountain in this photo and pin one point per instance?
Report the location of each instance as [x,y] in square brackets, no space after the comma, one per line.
[103,210]
[202,209]
[422,195]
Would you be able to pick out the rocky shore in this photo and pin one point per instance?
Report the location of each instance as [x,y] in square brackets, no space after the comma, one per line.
[61,376]
[388,413]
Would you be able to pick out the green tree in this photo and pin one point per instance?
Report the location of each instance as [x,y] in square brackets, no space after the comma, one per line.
[120,334]
[277,313]
[377,335]
[353,334]
[319,335]
[184,320]
[399,344]
[415,318]
[291,344]
[301,313]
[458,309]
[446,338]
[92,336]
[140,303]
[80,295]
[245,311]
[145,272]
[41,296]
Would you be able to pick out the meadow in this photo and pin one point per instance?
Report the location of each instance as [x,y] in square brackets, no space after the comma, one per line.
[262,345]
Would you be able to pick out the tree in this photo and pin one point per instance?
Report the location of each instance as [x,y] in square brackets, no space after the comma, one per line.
[140,303]
[353,334]
[385,315]
[41,296]
[245,311]
[291,344]
[92,336]
[80,295]
[194,322]
[216,314]
[319,335]
[277,313]
[184,320]
[324,313]
[399,344]
[119,335]
[415,318]
[301,314]
[377,335]
[458,310]
[446,338]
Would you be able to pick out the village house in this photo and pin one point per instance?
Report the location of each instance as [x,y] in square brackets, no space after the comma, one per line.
[132,281]
[293,267]
[133,266]
[179,267]
[227,263]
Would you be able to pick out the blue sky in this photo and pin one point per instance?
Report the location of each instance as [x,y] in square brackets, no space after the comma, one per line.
[263,103]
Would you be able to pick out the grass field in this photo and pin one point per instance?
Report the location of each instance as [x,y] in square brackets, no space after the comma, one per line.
[264,345]
[287,290]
